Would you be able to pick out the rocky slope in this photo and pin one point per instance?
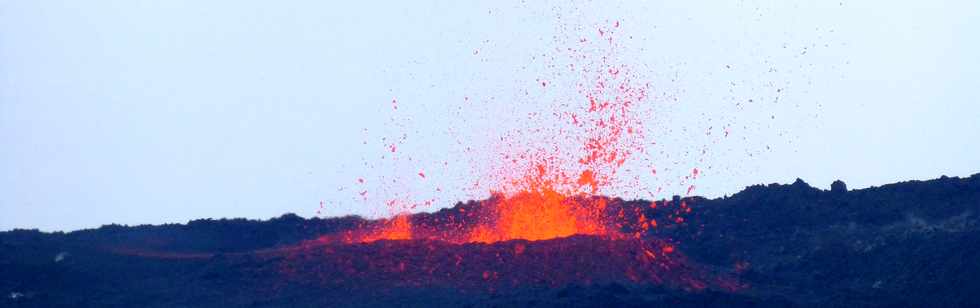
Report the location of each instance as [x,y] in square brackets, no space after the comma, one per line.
[905,244]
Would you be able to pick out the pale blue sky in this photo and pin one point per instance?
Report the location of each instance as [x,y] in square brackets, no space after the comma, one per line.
[164,111]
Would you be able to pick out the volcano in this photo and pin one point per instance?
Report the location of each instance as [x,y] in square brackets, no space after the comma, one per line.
[905,244]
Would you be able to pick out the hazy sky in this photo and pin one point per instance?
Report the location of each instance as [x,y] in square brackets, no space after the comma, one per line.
[164,111]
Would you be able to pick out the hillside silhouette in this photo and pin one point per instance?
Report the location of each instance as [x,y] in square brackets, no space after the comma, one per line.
[909,244]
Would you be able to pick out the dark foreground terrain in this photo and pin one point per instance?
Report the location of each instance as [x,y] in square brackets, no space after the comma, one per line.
[914,244]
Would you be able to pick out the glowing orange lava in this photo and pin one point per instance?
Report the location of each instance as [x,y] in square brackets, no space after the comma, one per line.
[540,215]
[397,228]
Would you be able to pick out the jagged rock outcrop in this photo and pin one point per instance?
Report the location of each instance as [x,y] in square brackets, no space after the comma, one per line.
[838,187]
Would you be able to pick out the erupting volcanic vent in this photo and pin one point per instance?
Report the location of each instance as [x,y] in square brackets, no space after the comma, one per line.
[547,220]
[543,171]
[504,246]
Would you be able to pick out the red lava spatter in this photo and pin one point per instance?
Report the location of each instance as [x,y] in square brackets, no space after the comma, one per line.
[546,178]
[541,173]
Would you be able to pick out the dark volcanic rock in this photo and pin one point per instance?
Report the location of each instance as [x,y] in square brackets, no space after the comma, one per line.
[838,187]
[910,244]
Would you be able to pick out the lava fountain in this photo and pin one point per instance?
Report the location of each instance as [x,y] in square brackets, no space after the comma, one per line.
[542,174]
[547,179]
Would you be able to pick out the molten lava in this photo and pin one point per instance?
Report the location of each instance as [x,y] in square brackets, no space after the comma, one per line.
[397,228]
[540,216]
[532,216]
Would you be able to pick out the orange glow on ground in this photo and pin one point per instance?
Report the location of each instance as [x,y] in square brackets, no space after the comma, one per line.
[397,228]
[539,216]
